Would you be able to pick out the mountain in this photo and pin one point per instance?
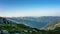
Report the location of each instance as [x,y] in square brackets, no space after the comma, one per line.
[53,26]
[18,25]
[11,27]
[35,22]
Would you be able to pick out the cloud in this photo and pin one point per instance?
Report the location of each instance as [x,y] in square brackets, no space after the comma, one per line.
[31,14]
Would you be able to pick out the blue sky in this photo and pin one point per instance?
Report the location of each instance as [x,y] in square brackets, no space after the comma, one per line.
[17,8]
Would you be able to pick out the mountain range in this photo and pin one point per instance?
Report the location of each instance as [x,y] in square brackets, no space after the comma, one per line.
[35,22]
[35,25]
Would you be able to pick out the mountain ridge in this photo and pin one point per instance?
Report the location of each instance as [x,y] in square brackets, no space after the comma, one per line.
[13,27]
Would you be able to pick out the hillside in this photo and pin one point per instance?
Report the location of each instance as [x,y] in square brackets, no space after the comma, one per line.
[10,27]
[53,25]
[54,28]
[35,22]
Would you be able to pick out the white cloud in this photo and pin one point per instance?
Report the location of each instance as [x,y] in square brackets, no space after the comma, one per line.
[31,14]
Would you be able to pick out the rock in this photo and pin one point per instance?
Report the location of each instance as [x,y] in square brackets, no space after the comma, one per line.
[4,32]
[0,32]
[25,31]
[16,33]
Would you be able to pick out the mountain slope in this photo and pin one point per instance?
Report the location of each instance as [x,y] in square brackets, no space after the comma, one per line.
[12,27]
[35,22]
[53,26]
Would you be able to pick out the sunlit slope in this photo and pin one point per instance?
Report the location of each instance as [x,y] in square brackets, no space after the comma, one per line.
[52,26]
